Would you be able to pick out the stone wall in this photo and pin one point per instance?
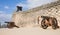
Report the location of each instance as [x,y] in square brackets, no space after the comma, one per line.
[31,16]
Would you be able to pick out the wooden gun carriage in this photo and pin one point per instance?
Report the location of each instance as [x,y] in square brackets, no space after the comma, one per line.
[49,21]
[11,25]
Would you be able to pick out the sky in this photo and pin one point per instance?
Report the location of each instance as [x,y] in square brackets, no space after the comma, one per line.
[7,7]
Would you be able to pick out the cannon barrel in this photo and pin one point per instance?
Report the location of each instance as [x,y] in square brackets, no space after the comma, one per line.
[45,17]
[9,22]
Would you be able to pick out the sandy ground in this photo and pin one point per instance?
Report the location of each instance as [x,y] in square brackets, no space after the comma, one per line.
[29,31]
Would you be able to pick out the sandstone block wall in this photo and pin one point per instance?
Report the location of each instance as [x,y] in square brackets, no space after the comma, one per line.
[31,16]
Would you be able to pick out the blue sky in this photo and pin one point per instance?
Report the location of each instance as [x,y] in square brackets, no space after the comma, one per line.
[7,7]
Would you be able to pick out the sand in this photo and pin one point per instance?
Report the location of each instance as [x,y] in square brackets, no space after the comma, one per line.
[29,31]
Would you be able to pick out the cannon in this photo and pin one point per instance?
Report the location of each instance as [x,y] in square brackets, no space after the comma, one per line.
[11,24]
[49,21]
